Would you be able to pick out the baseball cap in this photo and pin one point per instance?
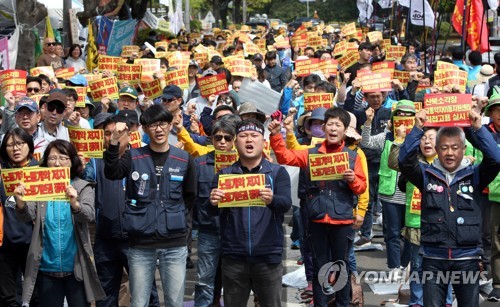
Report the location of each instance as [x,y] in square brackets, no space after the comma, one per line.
[258,56]
[28,103]
[171,91]
[129,91]
[78,80]
[208,72]
[57,96]
[131,115]
[494,100]
[216,59]
[101,118]
[193,63]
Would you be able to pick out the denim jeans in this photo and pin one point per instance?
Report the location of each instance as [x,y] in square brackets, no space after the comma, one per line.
[416,288]
[239,277]
[366,228]
[297,228]
[305,244]
[393,221]
[330,243]
[142,268]
[208,260]
[52,290]
[435,292]
[352,260]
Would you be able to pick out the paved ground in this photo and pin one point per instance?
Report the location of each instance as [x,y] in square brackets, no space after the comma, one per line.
[367,261]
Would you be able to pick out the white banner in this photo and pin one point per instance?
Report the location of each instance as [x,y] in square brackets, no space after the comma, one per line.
[419,12]
[365,8]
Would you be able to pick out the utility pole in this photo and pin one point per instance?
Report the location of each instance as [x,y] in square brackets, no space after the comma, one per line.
[244,11]
[187,16]
[66,39]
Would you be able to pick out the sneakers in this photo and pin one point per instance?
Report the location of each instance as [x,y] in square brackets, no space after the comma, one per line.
[362,242]
[296,244]
[189,263]
[300,261]
[494,295]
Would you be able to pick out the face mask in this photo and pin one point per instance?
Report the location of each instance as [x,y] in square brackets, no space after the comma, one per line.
[141,99]
[317,131]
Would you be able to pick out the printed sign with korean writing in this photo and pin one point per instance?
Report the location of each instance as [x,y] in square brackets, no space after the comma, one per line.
[448,110]
[329,67]
[103,88]
[82,93]
[213,85]
[441,65]
[128,50]
[451,77]
[407,121]
[130,73]
[45,70]
[41,183]
[349,29]
[376,82]
[223,159]
[317,100]
[328,166]
[107,62]
[315,141]
[241,190]
[395,53]
[92,77]
[386,43]
[242,68]
[384,67]
[350,58]
[13,81]
[306,67]
[90,142]
[402,76]
[152,89]
[314,40]
[282,44]
[149,66]
[299,41]
[340,48]
[416,202]
[374,36]
[65,73]
[177,77]
[250,48]
[135,140]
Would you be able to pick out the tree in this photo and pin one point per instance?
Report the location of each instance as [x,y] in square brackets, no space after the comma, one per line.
[29,14]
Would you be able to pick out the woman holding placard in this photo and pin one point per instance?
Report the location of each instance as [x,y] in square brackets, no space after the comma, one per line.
[60,256]
[16,151]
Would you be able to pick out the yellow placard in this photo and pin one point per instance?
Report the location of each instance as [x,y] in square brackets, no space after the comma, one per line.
[82,93]
[328,166]
[317,100]
[441,65]
[92,77]
[223,159]
[90,142]
[329,67]
[416,202]
[130,73]
[103,88]
[128,50]
[402,76]
[395,53]
[340,48]
[163,44]
[41,183]
[261,43]
[107,62]
[240,67]
[315,141]
[178,77]
[374,36]
[349,29]
[65,73]
[38,97]
[386,43]
[407,121]
[46,70]
[306,67]
[350,58]
[135,140]
[251,48]
[13,81]
[451,77]
[241,190]
[152,89]
[149,66]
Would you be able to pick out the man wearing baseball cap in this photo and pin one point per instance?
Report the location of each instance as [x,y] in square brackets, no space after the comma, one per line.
[194,90]
[127,98]
[51,127]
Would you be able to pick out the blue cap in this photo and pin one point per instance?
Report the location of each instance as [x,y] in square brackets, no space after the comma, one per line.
[29,103]
[78,80]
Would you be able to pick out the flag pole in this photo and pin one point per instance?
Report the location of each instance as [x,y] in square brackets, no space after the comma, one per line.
[481,33]
[425,39]
[464,28]
[408,21]
[435,31]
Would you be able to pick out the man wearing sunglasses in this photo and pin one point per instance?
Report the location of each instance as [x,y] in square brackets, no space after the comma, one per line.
[50,58]
[33,86]
[51,127]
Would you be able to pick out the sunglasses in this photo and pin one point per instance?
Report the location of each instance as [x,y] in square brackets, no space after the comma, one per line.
[50,44]
[219,137]
[33,89]
[59,108]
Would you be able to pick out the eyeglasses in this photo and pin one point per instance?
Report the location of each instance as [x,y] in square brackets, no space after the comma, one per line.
[33,89]
[15,144]
[59,108]
[227,138]
[50,44]
[61,159]
[162,125]
[425,139]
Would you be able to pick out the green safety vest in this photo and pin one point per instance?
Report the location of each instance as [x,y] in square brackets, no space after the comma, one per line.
[413,206]
[494,187]
[387,180]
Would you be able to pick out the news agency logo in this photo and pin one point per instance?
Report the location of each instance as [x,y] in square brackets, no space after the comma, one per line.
[333,277]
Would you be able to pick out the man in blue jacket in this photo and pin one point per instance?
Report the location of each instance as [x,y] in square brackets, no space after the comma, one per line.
[451,216]
[252,237]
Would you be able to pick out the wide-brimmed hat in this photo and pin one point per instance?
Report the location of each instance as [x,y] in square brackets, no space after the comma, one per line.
[249,108]
[494,101]
[485,73]
[351,130]
[318,113]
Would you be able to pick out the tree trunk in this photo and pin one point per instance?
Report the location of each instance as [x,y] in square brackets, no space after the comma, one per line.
[29,13]
[216,12]
[237,14]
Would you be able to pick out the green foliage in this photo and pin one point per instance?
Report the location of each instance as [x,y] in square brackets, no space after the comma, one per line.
[446,6]
[443,30]
[328,10]
[195,25]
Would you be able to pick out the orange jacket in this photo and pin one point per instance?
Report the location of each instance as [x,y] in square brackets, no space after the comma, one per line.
[300,158]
